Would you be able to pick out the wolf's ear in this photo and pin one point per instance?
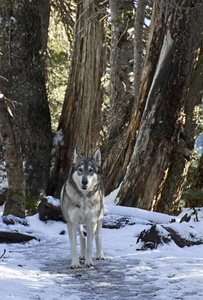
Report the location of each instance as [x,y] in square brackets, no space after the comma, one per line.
[76,156]
[97,157]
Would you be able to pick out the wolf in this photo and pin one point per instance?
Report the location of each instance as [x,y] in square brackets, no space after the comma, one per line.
[82,201]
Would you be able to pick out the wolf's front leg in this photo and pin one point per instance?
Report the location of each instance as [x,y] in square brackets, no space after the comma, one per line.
[82,242]
[72,231]
[91,228]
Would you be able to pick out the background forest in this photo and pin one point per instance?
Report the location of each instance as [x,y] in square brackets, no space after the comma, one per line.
[125,76]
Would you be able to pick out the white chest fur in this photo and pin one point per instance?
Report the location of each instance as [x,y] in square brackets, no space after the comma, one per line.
[79,208]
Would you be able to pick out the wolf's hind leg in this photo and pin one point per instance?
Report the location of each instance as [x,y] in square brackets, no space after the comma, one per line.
[100,254]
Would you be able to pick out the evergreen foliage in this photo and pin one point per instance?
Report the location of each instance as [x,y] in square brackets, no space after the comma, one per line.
[58,64]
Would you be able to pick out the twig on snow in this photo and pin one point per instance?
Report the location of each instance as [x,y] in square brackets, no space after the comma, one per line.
[3,254]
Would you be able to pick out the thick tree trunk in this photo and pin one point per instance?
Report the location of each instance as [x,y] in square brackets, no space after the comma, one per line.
[15,201]
[82,110]
[180,162]
[121,89]
[198,177]
[23,35]
[162,117]
[120,155]
[138,44]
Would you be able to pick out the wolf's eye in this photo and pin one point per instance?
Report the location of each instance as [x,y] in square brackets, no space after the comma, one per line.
[91,170]
[80,170]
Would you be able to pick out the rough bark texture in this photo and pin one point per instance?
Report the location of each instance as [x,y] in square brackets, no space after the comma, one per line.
[121,90]
[198,177]
[81,115]
[23,36]
[182,155]
[122,154]
[15,201]
[138,44]
[162,119]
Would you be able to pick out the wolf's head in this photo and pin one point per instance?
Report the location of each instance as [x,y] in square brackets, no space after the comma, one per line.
[86,171]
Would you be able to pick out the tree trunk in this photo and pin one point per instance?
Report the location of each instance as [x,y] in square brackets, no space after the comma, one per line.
[162,117]
[180,161]
[15,201]
[23,36]
[138,44]
[82,110]
[121,89]
[198,177]
[121,155]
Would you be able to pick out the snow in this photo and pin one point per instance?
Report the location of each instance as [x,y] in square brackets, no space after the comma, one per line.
[112,197]
[40,269]
[53,201]
[13,20]
[58,140]
[3,175]
[138,213]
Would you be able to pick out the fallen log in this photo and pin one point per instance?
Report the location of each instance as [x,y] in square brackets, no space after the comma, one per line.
[48,211]
[15,237]
[160,234]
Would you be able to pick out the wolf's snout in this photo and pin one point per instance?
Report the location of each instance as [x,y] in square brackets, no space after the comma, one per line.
[84,183]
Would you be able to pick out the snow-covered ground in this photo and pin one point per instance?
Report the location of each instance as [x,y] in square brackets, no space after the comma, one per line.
[40,269]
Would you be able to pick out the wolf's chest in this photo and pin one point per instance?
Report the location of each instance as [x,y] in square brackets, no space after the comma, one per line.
[82,209]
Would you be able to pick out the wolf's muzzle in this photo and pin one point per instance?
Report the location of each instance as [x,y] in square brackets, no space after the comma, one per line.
[84,183]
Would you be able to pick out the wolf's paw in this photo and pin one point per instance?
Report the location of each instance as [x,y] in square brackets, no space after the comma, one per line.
[100,257]
[81,258]
[75,266]
[89,264]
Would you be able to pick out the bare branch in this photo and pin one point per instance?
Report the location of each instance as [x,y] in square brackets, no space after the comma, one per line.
[3,254]
[4,78]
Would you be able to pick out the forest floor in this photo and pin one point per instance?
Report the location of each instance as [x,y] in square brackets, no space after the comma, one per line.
[40,269]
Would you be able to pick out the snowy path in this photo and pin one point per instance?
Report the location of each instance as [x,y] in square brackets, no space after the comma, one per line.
[40,270]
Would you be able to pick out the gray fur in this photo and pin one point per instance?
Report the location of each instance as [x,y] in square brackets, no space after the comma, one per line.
[82,201]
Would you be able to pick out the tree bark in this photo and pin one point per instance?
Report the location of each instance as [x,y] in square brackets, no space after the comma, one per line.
[138,44]
[23,37]
[182,155]
[198,177]
[80,120]
[162,117]
[15,200]
[121,155]
[121,89]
